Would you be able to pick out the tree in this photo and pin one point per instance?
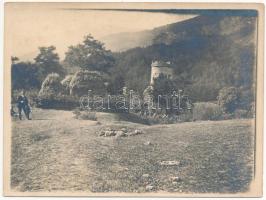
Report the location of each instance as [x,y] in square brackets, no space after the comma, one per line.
[116,84]
[24,76]
[90,55]
[163,86]
[14,59]
[47,62]
[228,99]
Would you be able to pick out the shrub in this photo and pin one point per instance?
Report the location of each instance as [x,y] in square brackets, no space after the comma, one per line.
[59,101]
[228,99]
[32,96]
[51,86]
[240,113]
[247,97]
[207,111]
[252,110]
[85,80]
[66,83]
[162,86]
[148,92]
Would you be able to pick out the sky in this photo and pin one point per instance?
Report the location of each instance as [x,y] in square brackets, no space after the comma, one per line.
[29,26]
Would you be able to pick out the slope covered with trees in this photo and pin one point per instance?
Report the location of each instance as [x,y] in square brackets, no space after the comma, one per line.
[208,53]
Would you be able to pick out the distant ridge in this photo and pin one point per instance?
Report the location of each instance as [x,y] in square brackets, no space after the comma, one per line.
[208,53]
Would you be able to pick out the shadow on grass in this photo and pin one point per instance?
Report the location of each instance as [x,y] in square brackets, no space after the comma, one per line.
[39,137]
[131,117]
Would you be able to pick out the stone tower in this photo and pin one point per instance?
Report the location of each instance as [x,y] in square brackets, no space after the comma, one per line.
[160,67]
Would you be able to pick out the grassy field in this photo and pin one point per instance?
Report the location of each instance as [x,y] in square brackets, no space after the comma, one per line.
[55,152]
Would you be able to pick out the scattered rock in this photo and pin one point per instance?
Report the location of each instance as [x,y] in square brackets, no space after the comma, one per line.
[149,187]
[109,133]
[145,175]
[101,133]
[124,130]
[137,131]
[120,134]
[147,143]
[175,179]
[170,163]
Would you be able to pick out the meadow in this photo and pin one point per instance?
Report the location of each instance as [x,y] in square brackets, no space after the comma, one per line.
[57,152]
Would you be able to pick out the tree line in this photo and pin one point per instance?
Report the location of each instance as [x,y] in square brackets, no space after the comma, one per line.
[89,55]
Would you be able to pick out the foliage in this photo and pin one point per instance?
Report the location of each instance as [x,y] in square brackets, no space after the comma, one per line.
[51,86]
[14,59]
[59,101]
[246,98]
[85,80]
[228,99]
[240,113]
[116,84]
[205,56]
[162,86]
[47,62]
[32,96]
[90,55]
[148,92]
[66,83]
[24,76]
[207,111]
[27,75]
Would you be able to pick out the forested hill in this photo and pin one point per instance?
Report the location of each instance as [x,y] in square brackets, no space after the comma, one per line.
[208,52]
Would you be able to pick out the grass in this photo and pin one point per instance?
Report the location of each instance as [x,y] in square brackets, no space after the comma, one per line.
[207,111]
[58,152]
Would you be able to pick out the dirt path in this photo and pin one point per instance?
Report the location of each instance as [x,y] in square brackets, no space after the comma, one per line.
[51,145]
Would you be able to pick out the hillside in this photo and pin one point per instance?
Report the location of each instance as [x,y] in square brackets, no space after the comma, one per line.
[208,53]
[124,41]
[173,32]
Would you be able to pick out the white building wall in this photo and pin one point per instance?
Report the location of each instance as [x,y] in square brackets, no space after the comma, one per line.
[156,71]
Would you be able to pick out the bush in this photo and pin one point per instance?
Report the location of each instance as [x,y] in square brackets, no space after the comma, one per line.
[85,80]
[66,83]
[207,111]
[32,96]
[240,113]
[59,101]
[247,97]
[228,99]
[252,110]
[162,86]
[51,86]
[148,92]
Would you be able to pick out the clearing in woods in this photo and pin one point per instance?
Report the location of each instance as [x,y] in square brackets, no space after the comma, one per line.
[56,152]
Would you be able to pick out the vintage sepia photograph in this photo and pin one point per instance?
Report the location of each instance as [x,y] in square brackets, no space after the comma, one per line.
[133,99]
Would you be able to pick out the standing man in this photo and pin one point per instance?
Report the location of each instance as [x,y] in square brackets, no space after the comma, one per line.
[23,104]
